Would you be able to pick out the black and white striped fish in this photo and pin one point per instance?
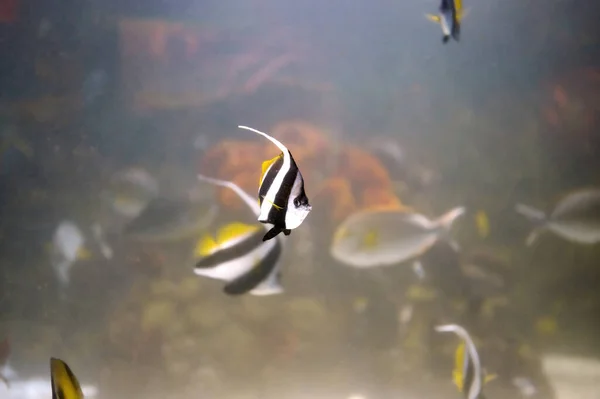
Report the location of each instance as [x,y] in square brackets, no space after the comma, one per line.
[283,202]
[238,255]
[468,374]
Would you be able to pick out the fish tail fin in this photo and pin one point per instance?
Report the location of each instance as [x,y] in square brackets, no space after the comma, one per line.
[445,39]
[272,233]
[447,219]
[535,216]
[433,18]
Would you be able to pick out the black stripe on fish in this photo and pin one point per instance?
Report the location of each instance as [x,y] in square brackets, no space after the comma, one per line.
[248,281]
[247,245]
[268,179]
[274,232]
[279,203]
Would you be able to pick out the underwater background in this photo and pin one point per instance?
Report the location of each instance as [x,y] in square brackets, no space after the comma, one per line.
[378,113]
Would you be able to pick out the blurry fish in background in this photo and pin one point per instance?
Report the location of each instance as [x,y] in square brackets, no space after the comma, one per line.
[450,15]
[98,234]
[13,150]
[166,219]
[413,175]
[468,375]
[239,258]
[130,191]
[576,218]
[66,249]
[283,202]
[64,382]
[386,237]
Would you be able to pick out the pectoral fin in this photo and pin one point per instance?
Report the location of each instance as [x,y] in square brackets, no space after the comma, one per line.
[433,18]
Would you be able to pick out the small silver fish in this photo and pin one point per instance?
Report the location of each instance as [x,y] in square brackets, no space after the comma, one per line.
[166,219]
[131,190]
[67,247]
[576,218]
[387,237]
[283,201]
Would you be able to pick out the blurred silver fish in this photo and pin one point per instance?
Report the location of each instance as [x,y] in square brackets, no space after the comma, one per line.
[67,248]
[387,237]
[171,219]
[131,190]
[98,233]
[576,218]
[249,264]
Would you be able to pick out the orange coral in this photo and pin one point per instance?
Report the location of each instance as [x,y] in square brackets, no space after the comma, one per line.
[337,197]
[360,180]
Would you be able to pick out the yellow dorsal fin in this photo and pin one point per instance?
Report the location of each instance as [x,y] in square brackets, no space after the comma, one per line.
[233,230]
[462,14]
[489,377]
[458,6]
[83,254]
[205,246]
[459,359]
[433,18]
[266,165]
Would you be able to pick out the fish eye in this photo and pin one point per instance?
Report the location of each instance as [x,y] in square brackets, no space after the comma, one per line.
[297,202]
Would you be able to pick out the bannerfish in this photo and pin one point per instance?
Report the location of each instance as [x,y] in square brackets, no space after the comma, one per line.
[64,382]
[576,218]
[387,237]
[449,17]
[283,201]
[239,255]
[468,375]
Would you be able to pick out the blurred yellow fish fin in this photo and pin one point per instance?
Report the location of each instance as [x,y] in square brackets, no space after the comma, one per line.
[433,18]
[458,6]
[22,146]
[83,254]
[359,304]
[419,293]
[462,14]
[64,382]
[370,240]
[266,165]
[482,222]
[546,325]
[205,246]
[459,361]
[489,377]
[234,230]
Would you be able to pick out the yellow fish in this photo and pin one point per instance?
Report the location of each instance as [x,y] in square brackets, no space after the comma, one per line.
[64,382]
